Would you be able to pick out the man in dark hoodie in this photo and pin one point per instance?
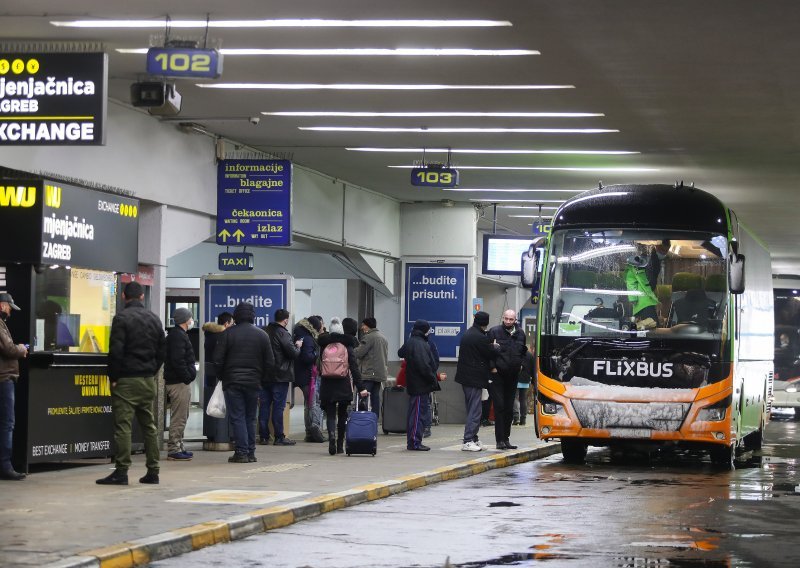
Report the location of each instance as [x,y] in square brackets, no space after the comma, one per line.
[306,332]
[276,387]
[420,382]
[179,372]
[211,332]
[475,356]
[503,380]
[243,357]
[137,349]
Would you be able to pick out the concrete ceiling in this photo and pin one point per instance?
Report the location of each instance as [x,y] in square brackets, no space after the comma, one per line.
[703,91]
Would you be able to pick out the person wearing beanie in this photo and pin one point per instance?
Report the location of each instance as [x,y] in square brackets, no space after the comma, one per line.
[179,372]
[504,374]
[244,359]
[373,356]
[420,382]
[137,349]
[306,332]
[476,355]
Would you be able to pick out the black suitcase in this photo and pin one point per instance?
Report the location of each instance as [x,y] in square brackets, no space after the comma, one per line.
[395,410]
[361,432]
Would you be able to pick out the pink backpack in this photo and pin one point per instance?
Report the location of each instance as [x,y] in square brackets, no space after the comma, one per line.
[334,362]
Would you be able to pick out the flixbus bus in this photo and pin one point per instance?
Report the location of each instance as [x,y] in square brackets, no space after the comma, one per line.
[656,324]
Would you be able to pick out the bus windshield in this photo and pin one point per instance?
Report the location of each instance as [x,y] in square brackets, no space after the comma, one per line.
[635,282]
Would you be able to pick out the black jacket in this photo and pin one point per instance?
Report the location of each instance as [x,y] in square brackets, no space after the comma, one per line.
[211,332]
[309,351]
[243,356]
[420,365]
[179,364]
[512,350]
[137,346]
[528,368]
[475,358]
[285,352]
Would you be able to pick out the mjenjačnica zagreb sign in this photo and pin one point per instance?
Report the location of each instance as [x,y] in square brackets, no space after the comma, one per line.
[54,99]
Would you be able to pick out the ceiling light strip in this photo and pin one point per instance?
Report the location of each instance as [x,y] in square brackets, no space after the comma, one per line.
[367,51]
[542,168]
[436,114]
[494,151]
[282,23]
[458,130]
[512,190]
[378,87]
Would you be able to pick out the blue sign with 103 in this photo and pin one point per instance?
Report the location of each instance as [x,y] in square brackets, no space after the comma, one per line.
[437,293]
[254,202]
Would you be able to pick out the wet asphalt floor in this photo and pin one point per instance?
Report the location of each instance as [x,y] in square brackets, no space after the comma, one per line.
[673,509]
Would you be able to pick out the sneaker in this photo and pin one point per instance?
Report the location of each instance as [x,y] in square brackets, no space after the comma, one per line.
[252,458]
[179,456]
[284,442]
[478,443]
[420,448]
[116,478]
[238,458]
[471,447]
[263,442]
[149,478]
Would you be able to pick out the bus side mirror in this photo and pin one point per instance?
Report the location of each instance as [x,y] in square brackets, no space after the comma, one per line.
[735,269]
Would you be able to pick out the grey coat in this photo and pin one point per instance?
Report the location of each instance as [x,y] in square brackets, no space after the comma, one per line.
[372,355]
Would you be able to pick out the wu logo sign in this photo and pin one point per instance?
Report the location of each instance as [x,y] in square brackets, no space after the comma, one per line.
[52,196]
[19,196]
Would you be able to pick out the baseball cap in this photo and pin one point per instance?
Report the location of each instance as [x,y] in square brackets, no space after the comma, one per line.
[6,297]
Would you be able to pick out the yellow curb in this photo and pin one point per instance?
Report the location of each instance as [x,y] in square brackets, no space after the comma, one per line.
[113,556]
[207,534]
[328,503]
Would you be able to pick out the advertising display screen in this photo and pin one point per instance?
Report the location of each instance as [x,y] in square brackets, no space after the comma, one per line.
[502,254]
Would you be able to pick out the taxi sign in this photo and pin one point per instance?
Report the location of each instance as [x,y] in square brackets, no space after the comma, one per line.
[235,261]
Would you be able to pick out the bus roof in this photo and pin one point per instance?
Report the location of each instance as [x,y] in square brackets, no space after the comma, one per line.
[644,206]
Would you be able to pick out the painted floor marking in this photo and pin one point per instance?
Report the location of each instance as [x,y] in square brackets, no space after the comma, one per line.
[238,497]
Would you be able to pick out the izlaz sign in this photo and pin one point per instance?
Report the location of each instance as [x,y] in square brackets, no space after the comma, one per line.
[53,99]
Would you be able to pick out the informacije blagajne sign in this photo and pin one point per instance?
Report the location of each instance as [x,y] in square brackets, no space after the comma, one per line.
[53,99]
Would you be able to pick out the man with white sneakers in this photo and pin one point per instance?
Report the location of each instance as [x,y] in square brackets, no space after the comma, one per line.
[475,356]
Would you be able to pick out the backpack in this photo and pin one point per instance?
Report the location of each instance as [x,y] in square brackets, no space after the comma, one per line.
[335,363]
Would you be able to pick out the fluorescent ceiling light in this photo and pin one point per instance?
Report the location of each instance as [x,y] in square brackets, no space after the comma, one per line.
[436,115]
[565,169]
[457,130]
[515,190]
[284,23]
[532,216]
[525,201]
[493,151]
[377,86]
[372,51]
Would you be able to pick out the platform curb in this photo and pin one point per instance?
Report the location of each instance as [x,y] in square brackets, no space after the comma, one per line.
[142,551]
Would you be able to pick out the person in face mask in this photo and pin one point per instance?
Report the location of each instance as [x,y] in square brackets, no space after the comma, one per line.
[10,355]
[179,372]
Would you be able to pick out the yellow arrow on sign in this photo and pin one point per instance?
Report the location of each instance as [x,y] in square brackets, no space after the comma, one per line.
[224,234]
[238,234]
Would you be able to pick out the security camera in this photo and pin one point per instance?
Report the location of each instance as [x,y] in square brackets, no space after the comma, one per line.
[254,120]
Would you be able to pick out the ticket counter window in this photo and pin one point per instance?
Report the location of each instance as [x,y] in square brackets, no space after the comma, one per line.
[74,308]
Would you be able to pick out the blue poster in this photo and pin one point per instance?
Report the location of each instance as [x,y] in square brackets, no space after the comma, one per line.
[224,293]
[254,202]
[437,293]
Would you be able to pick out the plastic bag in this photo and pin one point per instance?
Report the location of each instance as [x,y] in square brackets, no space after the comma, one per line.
[216,404]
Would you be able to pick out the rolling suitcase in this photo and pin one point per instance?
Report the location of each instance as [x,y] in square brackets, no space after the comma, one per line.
[395,410]
[361,431]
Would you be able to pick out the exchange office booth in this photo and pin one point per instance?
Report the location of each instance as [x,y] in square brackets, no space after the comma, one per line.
[70,247]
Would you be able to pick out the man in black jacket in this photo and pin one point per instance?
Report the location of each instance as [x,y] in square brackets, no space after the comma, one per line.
[503,380]
[420,382]
[243,357]
[137,349]
[211,332]
[475,356]
[179,372]
[276,386]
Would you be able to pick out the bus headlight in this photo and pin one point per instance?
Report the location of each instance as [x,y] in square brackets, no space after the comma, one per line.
[791,389]
[711,414]
[551,407]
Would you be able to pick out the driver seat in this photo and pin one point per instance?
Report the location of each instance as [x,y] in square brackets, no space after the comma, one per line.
[695,306]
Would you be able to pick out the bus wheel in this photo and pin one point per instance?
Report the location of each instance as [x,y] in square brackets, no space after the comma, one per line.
[574,451]
[723,456]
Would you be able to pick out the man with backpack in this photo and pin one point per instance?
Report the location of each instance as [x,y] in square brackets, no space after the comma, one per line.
[275,388]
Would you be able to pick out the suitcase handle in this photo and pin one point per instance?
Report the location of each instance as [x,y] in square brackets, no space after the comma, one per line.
[357,399]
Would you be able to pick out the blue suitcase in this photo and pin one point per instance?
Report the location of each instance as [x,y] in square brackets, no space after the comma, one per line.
[361,433]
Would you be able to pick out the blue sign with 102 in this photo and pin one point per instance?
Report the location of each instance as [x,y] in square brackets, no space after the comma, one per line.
[254,202]
[437,293]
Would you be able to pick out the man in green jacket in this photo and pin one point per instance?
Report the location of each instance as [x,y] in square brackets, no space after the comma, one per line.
[372,355]
[644,298]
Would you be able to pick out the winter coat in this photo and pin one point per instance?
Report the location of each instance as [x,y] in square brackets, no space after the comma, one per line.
[475,358]
[373,355]
[10,354]
[636,281]
[285,352]
[179,364]
[420,365]
[527,370]
[211,332]
[512,350]
[336,389]
[309,351]
[138,345]
[243,356]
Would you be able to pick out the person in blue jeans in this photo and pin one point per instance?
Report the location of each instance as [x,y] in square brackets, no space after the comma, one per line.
[275,388]
[420,382]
